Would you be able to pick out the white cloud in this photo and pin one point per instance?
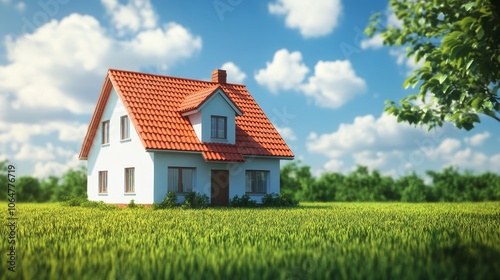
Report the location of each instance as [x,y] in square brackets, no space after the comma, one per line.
[408,62]
[21,6]
[375,42]
[234,73]
[333,84]
[44,169]
[477,139]
[380,143]
[314,18]
[286,132]
[398,148]
[131,17]
[58,65]
[447,147]
[285,72]
[334,165]
[35,153]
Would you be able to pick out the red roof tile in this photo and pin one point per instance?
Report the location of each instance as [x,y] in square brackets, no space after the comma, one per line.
[155,103]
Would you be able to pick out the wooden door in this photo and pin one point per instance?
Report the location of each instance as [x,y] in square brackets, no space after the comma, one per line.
[220,187]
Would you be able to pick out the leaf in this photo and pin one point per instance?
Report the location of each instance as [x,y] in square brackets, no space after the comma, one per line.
[476,103]
[469,6]
[442,78]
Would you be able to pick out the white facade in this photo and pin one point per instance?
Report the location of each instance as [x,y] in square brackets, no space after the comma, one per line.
[151,167]
[115,157]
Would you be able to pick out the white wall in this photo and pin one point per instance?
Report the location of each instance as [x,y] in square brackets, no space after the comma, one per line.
[195,120]
[218,106]
[115,157]
[203,171]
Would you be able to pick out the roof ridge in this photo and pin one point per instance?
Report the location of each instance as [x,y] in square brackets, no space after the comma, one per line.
[173,77]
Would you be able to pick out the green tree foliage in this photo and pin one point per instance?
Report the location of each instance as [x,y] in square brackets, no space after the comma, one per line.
[363,185]
[296,180]
[3,179]
[73,184]
[458,44]
[30,189]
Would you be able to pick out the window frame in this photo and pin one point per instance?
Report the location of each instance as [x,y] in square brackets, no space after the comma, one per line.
[105,132]
[124,128]
[179,189]
[254,189]
[217,128]
[103,182]
[129,185]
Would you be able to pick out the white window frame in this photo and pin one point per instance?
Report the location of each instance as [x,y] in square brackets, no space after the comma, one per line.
[179,187]
[124,128]
[103,182]
[129,180]
[251,178]
[105,132]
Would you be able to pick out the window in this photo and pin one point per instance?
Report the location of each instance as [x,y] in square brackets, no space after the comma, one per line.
[105,132]
[129,180]
[219,125]
[103,181]
[124,128]
[256,181]
[180,179]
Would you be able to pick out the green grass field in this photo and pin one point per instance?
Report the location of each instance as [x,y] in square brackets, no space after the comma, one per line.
[313,241]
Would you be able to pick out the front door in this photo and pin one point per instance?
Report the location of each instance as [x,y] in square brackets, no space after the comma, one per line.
[220,187]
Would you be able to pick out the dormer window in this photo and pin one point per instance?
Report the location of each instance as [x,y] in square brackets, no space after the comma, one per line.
[219,127]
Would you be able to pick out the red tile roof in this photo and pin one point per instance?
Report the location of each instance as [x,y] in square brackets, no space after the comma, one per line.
[154,104]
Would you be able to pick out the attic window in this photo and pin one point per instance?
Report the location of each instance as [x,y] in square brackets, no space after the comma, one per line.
[105,133]
[124,130]
[219,127]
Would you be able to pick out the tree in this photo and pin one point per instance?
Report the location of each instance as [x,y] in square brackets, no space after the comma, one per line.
[28,189]
[73,184]
[297,180]
[459,44]
[3,180]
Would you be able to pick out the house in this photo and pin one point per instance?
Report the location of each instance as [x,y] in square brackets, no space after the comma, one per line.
[151,134]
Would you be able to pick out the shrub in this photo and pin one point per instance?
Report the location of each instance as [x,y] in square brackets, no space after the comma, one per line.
[244,201]
[170,201]
[278,200]
[98,205]
[195,200]
[74,201]
[132,204]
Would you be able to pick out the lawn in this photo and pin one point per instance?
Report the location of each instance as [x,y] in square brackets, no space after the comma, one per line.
[313,241]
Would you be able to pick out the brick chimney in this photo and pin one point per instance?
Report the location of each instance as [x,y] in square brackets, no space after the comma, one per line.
[219,76]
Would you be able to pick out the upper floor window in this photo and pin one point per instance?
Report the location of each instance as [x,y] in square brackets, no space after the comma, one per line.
[105,132]
[124,128]
[219,127]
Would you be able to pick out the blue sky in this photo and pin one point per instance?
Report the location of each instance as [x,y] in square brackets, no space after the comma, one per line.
[308,64]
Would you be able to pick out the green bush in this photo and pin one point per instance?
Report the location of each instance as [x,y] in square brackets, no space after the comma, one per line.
[194,200]
[132,204]
[98,205]
[244,201]
[74,201]
[170,201]
[278,200]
